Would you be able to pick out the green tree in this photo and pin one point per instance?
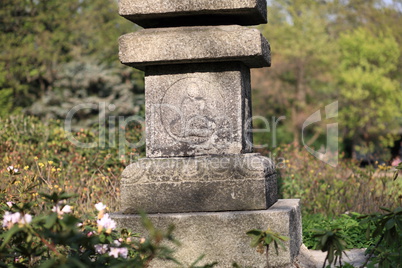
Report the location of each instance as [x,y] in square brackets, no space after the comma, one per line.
[370,98]
[373,15]
[302,54]
[39,37]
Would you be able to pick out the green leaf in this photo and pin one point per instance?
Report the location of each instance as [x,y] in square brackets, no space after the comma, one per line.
[51,220]
[330,255]
[390,224]
[255,241]
[284,238]
[398,210]
[324,240]
[65,196]
[254,232]
[9,234]
[386,209]
[77,263]
[396,174]
[399,166]
[49,263]
[398,222]
[268,240]
[276,247]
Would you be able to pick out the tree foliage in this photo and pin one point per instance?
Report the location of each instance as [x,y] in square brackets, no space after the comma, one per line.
[371,97]
[39,38]
[324,51]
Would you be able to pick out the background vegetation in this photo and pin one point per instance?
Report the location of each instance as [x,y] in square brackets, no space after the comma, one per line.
[56,55]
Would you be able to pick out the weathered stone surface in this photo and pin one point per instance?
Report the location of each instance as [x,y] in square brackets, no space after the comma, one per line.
[198,109]
[163,13]
[194,45]
[207,183]
[221,236]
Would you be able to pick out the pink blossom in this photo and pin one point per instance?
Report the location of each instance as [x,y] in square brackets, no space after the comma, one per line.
[12,170]
[101,248]
[26,219]
[10,219]
[106,223]
[65,209]
[100,206]
[396,161]
[115,252]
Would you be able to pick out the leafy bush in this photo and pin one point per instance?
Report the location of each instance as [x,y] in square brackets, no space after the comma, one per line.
[331,241]
[334,191]
[58,238]
[387,249]
[48,161]
[349,227]
[263,239]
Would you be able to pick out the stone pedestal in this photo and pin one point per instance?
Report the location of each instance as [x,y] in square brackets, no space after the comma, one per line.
[221,236]
[184,45]
[196,184]
[200,173]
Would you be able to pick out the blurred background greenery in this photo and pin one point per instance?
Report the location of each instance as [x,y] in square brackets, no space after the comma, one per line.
[57,54]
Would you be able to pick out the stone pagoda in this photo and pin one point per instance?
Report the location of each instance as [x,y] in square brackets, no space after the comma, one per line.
[200,173]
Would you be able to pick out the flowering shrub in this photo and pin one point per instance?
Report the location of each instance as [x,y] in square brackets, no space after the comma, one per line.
[57,237]
[47,161]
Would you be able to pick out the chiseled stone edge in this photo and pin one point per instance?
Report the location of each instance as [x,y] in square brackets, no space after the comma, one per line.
[221,236]
[224,195]
[208,183]
[165,46]
[174,169]
[174,13]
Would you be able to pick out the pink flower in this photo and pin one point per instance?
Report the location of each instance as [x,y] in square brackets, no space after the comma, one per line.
[101,248]
[10,219]
[106,223]
[60,212]
[100,206]
[115,252]
[396,161]
[12,170]
[26,219]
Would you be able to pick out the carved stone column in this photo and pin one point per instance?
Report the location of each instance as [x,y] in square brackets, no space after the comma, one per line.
[200,172]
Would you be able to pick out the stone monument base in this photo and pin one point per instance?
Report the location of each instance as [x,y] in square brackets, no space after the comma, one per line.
[221,236]
[199,184]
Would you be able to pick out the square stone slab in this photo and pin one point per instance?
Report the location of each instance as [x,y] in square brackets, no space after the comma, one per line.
[208,183]
[164,13]
[221,236]
[198,109]
[194,45]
